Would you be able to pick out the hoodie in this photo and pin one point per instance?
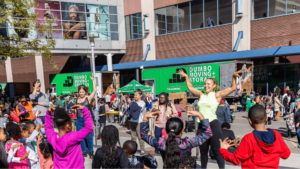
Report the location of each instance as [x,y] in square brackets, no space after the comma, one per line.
[67,151]
[254,153]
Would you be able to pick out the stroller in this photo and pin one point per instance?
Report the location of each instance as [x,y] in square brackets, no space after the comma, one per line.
[290,127]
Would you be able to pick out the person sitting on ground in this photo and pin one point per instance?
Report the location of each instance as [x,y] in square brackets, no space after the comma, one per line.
[175,147]
[187,162]
[261,148]
[110,155]
[130,148]
[227,133]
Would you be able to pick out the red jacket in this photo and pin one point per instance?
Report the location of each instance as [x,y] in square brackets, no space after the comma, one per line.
[112,98]
[253,153]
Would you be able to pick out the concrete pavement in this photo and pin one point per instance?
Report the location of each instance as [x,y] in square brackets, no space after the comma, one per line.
[240,127]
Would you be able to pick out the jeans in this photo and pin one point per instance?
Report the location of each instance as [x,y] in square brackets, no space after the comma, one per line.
[42,118]
[157,134]
[88,141]
[274,114]
[298,135]
[102,125]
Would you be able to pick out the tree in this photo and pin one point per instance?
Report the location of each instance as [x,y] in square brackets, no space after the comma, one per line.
[19,31]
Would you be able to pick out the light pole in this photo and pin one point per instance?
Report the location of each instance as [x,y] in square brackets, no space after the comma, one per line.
[92,41]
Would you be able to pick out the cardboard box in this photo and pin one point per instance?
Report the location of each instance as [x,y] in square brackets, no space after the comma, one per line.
[234,107]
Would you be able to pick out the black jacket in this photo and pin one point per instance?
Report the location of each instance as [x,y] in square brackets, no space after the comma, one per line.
[297,117]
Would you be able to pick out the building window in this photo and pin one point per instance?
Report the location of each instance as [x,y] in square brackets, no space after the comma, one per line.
[134,29]
[293,6]
[192,15]
[71,20]
[259,9]
[210,11]
[184,16]
[269,8]
[197,14]
[160,21]
[225,11]
[277,7]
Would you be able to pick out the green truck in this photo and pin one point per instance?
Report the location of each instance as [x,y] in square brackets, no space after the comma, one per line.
[67,83]
[166,80]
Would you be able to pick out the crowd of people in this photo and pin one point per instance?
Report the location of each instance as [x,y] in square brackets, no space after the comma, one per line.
[28,138]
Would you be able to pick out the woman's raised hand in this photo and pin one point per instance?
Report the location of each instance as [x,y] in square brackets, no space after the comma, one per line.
[92,78]
[181,72]
[236,74]
[51,109]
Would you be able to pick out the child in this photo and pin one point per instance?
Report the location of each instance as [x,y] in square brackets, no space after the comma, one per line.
[3,157]
[66,143]
[175,147]
[110,155]
[45,152]
[102,117]
[262,148]
[14,132]
[290,120]
[130,148]
[187,162]
[29,133]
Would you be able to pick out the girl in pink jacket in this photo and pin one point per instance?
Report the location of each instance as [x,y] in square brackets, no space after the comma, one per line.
[66,143]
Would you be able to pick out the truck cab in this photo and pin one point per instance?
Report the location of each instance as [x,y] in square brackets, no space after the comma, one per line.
[52,91]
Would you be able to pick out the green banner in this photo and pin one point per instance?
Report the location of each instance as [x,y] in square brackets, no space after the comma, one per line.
[68,83]
[166,79]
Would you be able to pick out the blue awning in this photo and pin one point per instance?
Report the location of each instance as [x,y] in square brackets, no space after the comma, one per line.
[266,52]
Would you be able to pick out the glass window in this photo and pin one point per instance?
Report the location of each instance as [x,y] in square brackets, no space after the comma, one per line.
[133,26]
[70,34]
[128,27]
[171,18]
[113,10]
[71,6]
[184,16]
[259,9]
[114,18]
[103,9]
[197,14]
[74,16]
[293,6]
[225,11]
[114,36]
[114,27]
[276,7]
[160,21]
[210,11]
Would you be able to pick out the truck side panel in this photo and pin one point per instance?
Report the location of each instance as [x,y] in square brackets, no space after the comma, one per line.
[226,71]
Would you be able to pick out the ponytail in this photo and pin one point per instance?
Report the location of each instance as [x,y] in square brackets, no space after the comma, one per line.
[174,127]
[140,92]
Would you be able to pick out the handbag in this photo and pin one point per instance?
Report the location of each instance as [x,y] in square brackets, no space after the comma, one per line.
[14,116]
[276,109]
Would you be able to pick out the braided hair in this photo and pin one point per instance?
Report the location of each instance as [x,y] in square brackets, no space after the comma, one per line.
[61,117]
[174,127]
[110,138]
[167,103]
[46,149]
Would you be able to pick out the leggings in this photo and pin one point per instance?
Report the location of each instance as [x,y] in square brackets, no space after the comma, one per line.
[213,142]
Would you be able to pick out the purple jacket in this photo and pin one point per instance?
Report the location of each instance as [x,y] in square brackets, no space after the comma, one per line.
[67,151]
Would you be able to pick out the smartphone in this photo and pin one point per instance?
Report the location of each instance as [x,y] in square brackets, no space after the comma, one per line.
[38,80]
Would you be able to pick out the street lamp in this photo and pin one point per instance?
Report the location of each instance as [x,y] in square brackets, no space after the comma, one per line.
[92,42]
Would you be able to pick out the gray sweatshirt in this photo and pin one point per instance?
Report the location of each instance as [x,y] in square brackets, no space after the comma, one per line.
[40,98]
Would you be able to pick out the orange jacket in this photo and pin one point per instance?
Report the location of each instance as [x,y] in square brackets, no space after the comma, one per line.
[29,108]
